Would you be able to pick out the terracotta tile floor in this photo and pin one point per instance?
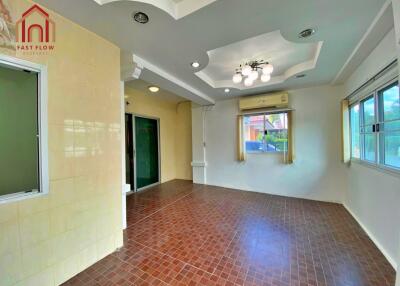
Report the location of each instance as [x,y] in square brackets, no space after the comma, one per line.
[184,234]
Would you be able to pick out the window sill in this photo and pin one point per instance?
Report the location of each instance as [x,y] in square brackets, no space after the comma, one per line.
[5,199]
[382,169]
[265,153]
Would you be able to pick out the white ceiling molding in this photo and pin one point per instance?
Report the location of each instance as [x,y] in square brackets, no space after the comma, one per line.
[176,9]
[129,69]
[190,92]
[288,58]
[381,25]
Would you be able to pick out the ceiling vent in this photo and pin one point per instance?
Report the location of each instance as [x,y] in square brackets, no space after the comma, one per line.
[306,33]
[140,17]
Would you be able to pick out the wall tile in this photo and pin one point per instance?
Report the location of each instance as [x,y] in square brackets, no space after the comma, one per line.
[44,278]
[9,238]
[8,212]
[10,268]
[51,238]
[34,229]
[36,258]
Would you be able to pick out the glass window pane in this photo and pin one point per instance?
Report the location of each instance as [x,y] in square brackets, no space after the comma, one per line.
[392,149]
[355,131]
[391,103]
[19,148]
[276,138]
[392,126]
[369,147]
[369,111]
[254,133]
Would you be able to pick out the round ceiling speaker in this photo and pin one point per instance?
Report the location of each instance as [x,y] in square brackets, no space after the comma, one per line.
[306,33]
[140,17]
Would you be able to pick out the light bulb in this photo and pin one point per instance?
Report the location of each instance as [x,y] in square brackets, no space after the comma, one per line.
[268,69]
[154,88]
[253,75]
[265,78]
[246,70]
[237,78]
[248,82]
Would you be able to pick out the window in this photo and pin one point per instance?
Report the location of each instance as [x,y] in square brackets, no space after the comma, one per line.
[389,126]
[23,144]
[375,127]
[266,133]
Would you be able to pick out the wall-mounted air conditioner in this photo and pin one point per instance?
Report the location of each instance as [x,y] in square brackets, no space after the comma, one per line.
[272,100]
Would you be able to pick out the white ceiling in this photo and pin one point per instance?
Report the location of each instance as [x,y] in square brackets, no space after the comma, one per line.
[175,8]
[172,43]
[288,59]
[143,87]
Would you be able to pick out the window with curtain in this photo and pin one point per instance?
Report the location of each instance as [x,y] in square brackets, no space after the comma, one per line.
[375,127]
[266,133]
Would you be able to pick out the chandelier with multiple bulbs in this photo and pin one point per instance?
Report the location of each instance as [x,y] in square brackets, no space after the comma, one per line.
[250,72]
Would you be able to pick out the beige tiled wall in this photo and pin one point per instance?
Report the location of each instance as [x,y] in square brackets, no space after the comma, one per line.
[47,240]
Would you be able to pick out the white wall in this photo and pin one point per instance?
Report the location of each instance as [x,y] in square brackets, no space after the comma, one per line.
[317,172]
[373,197]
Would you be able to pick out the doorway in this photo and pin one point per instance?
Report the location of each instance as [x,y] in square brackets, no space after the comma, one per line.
[142,151]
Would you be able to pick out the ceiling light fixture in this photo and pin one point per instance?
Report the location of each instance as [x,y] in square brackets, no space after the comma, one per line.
[250,72]
[306,33]
[195,65]
[140,17]
[154,88]
[227,90]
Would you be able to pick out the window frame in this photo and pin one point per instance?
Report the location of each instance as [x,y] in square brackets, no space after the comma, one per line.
[265,114]
[378,163]
[42,118]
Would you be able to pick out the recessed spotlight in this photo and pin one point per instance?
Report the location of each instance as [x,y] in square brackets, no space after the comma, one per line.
[140,17]
[227,90]
[195,65]
[307,33]
[154,88]
[301,75]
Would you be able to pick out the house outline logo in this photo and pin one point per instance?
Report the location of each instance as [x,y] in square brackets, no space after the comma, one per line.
[46,32]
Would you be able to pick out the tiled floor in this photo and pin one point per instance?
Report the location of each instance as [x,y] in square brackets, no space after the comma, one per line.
[185,234]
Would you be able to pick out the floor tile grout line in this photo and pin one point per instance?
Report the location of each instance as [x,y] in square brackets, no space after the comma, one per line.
[159,210]
[185,263]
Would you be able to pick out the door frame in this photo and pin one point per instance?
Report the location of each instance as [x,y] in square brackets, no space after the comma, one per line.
[134,115]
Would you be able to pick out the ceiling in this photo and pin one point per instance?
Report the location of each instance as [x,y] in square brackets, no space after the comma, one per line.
[143,87]
[169,43]
[288,59]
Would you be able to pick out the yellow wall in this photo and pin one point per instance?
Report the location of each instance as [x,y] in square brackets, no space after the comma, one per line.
[175,131]
[47,240]
[183,146]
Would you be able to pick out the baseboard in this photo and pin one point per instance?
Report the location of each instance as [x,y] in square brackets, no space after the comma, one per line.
[373,238]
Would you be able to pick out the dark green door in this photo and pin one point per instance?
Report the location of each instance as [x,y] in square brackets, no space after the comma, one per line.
[147,165]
